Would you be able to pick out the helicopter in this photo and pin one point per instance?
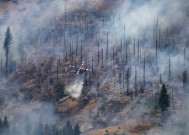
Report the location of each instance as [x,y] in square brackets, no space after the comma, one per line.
[78,70]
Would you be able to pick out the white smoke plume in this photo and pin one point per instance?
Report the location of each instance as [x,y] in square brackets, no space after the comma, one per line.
[75,88]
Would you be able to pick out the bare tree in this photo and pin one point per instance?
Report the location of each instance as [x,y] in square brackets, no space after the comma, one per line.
[102,59]
[184,57]
[107,48]
[184,78]
[98,52]
[1,68]
[138,51]
[134,48]
[57,72]
[169,73]
[144,72]
[128,77]
[135,82]
[81,50]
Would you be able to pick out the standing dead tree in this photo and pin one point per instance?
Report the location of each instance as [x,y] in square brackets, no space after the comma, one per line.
[184,79]
[102,59]
[81,49]
[127,79]
[135,82]
[144,72]
[169,72]
[107,48]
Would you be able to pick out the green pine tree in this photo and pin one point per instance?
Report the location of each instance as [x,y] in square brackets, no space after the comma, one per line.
[77,130]
[68,129]
[1,126]
[5,122]
[6,46]
[164,100]
[5,129]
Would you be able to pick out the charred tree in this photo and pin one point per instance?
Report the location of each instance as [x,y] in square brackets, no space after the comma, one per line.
[173,42]
[102,58]
[184,79]
[57,71]
[120,77]
[127,79]
[156,49]
[70,45]
[92,66]
[65,46]
[81,57]
[144,72]
[123,79]
[107,48]
[135,82]
[160,79]
[156,40]
[65,17]
[77,42]
[98,52]
[134,48]
[113,54]
[121,55]
[169,74]
[1,68]
[184,57]
[138,51]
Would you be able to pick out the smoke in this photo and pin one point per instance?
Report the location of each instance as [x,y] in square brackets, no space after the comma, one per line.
[24,116]
[75,88]
[176,123]
[35,23]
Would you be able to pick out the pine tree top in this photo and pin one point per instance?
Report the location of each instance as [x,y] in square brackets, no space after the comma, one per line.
[8,40]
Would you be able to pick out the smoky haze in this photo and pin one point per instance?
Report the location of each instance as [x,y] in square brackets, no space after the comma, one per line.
[47,29]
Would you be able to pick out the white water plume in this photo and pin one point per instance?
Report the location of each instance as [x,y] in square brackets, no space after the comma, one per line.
[75,88]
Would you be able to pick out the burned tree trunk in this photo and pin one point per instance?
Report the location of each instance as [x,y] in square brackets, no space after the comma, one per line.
[123,79]
[57,70]
[169,73]
[76,45]
[184,77]
[184,57]
[92,66]
[156,49]
[173,42]
[81,50]
[120,77]
[70,45]
[1,68]
[128,76]
[98,53]
[134,48]
[138,51]
[107,48]
[144,72]
[160,79]
[135,82]
[102,59]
